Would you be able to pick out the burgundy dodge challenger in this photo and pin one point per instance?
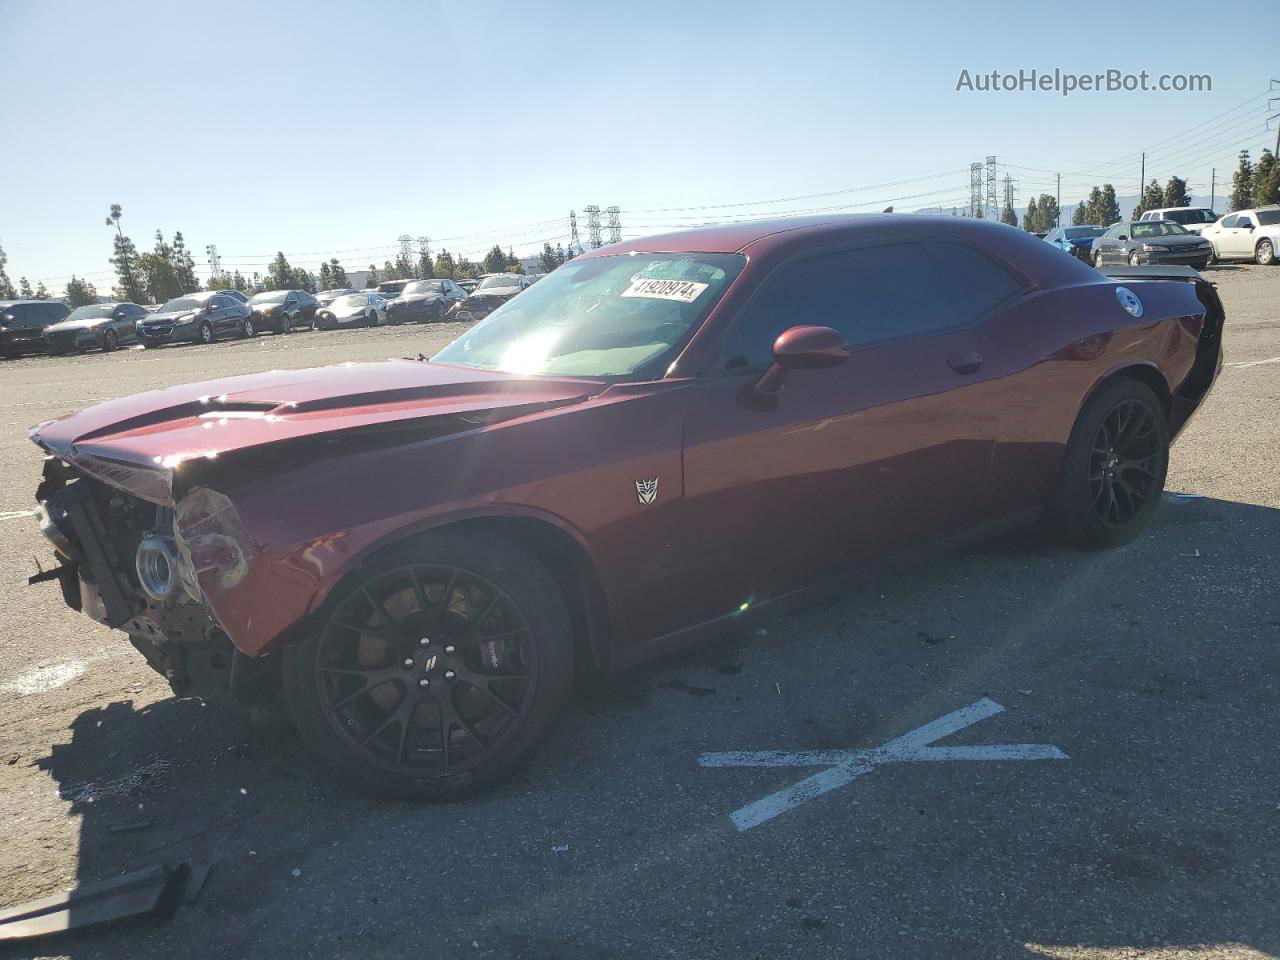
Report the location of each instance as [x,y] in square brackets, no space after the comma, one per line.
[659,438]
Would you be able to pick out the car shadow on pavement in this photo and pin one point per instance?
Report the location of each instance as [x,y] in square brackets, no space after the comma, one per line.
[178,781]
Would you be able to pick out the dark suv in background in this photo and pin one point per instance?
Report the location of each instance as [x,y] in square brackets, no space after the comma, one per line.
[22,324]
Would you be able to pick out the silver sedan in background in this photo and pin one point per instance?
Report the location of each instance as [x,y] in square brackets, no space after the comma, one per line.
[353,310]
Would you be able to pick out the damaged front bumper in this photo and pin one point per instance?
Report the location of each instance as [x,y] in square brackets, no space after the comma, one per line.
[138,566]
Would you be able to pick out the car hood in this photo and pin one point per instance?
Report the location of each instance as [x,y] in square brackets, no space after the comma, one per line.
[89,323]
[496,293]
[138,443]
[420,298]
[167,317]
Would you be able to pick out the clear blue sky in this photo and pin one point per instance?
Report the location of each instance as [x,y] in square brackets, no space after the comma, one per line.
[313,126]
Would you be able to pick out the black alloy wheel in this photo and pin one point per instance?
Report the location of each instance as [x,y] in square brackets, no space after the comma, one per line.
[1114,466]
[110,341]
[437,671]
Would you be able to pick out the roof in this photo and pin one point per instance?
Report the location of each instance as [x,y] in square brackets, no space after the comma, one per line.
[17,303]
[761,235]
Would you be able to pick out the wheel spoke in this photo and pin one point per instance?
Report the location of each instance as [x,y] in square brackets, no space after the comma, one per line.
[370,630]
[475,624]
[369,685]
[483,687]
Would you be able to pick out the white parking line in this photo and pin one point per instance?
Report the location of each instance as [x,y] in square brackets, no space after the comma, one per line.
[844,766]
[16,514]
[1254,363]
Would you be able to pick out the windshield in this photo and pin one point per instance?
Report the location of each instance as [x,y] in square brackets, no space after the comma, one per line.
[392,286]
[354,300]
[182,303]
[604,317]
[1157,228]
[91,312]
[424,286]
[271,296]
[1268,218]
[333,293]
[502,280]
[1078,233]
[1190,216]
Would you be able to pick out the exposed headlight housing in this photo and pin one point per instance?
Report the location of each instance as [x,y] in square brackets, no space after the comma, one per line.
[1154,247]
[181,321]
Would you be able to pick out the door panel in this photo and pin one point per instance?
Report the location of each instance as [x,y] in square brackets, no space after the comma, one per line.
[855,462]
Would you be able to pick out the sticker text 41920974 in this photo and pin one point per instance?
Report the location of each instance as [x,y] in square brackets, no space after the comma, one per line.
[682,291]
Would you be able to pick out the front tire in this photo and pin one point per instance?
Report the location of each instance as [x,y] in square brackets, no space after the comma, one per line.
[436,670]
[1097,260]
[205,332]
[1264,255]
[1134,261]
[110,341]
[247,330]
[1114,467]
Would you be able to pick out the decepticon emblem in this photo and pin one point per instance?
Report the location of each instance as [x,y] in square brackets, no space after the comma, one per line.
[1129,300]
[647,491]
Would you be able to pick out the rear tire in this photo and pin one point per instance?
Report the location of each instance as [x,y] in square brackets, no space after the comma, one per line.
[1264,255]
[394,687]
[1114,467]
[1134,261]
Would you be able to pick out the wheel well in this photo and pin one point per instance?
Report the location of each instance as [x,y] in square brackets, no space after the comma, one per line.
[569,565]
[1152,377]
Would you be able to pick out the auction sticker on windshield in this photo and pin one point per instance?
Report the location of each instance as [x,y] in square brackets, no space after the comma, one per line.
[682,291]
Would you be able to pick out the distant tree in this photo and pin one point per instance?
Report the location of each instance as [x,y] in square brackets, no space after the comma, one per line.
[1031,217]
[1242,183]
[125,260]
[325,279]
[238,282]
[371,277]
[1108,208]
[517,267]
[404,268]
[80,293]
[41,292]
[159,272]
[389,271]
[280,276]
[426,270]
[466,270]
[1048,213]
[6,285]
[24,289]
[337,274]
[1152,198]
[444,265]
[1081,216]
[1175,193]
[184,265]
[304,280]
[495,261]
[222,282]
[561,259]
[254,285]
[1266,180]
[547,261]
[1008,216]
[1093,206]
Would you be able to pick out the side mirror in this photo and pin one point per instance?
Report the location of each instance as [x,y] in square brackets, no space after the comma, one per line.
[802,346]
[1246,226]
[1122,237]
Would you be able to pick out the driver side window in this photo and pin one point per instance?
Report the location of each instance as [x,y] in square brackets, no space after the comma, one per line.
[871,295]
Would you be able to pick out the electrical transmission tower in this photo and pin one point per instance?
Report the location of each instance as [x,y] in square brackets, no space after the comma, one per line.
[975,190]
[406,247]
[575,245]
[615,224]
[993,200]
[215,263]
[1008,195]
[593,226]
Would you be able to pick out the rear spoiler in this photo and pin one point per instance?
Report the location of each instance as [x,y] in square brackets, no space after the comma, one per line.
[1153,272]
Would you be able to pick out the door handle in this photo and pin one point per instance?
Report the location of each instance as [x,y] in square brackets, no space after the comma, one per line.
[965,362]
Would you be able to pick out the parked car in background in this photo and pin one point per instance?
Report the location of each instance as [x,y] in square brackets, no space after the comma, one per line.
[102,325]
[425,300]
[1194,219]
[23,322]
[1075,240]
[196,318]
[283,311]
[352,310]
[1139,242]
[390,289]
[1247,235]
[326,297]
[644,448]
[493,290]
[468,285]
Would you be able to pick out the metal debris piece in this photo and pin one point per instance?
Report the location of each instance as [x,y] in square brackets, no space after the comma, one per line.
[150,891]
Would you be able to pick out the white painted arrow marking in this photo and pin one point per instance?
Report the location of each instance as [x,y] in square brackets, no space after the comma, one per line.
[845,766]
